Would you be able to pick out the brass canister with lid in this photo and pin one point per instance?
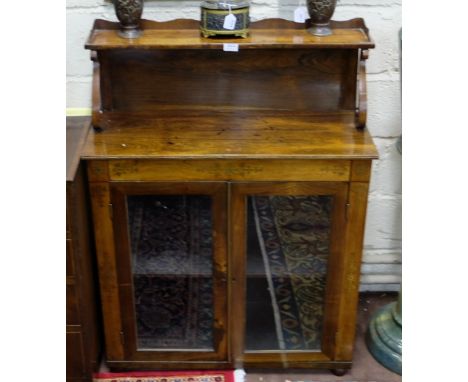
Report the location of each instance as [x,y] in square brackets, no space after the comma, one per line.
[225,18]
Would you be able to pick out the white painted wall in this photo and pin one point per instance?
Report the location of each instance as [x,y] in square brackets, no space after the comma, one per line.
[381,269]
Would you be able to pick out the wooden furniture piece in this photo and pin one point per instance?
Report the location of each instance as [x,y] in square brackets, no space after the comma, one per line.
[229,194]
[83,320]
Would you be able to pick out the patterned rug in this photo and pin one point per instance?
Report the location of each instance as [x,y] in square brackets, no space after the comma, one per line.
[171,240]
[170,376]
[293,234]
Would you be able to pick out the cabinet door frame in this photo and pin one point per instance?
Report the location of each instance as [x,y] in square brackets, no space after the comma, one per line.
[335,272]
[218,191]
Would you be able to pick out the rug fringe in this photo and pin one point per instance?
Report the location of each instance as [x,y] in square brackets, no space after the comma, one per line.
[239,375]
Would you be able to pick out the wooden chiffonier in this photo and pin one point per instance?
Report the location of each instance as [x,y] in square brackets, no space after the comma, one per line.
[229,194]
[83,319]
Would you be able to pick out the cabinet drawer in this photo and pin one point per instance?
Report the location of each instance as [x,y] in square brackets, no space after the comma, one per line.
[229,169]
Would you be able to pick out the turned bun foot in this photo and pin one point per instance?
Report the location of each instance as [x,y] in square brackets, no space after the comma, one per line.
[339,372]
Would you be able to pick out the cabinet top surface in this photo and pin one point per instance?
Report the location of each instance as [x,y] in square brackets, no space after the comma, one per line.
[259,135]
[270,33]
[77,128]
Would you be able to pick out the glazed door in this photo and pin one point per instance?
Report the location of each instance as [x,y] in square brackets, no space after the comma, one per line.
[288,261]
[170,241]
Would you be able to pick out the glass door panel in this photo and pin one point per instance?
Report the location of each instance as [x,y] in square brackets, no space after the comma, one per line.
[171,240]
[288,245]
[171,258]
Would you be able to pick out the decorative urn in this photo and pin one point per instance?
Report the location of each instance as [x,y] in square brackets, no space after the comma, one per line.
[320,12]
[129,14]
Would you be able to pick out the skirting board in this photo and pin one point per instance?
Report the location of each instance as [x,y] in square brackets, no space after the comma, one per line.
[78,112]
[380,287]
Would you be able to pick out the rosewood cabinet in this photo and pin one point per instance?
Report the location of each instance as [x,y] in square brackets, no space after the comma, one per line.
[229,194]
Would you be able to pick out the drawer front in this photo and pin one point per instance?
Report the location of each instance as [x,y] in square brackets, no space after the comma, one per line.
[229,170]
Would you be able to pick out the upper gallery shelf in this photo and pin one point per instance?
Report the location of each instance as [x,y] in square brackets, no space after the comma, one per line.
[264,34]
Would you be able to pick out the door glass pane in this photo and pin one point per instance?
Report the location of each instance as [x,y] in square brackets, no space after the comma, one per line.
[172,265]
[288,241]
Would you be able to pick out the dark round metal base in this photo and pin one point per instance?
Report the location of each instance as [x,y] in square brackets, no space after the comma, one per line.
[130,33]
[383,337]
[339,372]
[320,30]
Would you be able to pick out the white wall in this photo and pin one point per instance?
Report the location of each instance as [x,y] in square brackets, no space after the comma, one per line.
[381,267]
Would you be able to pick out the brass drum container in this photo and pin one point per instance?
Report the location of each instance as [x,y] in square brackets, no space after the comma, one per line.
[213,14]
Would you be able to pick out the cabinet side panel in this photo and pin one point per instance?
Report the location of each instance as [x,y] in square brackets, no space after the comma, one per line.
[354,242]
[105,82]
[348,93]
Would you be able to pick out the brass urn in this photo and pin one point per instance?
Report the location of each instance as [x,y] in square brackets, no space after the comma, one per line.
[320,12]
[129,14]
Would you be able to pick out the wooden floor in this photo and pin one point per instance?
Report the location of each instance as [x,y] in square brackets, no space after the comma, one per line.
[365,367]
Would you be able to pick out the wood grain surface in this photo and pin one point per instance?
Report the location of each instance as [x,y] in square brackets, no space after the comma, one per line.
[185,34]
[156,80]
[231,135]
[228,170]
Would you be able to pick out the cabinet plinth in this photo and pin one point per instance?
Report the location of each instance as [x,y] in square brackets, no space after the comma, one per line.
[229,193]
